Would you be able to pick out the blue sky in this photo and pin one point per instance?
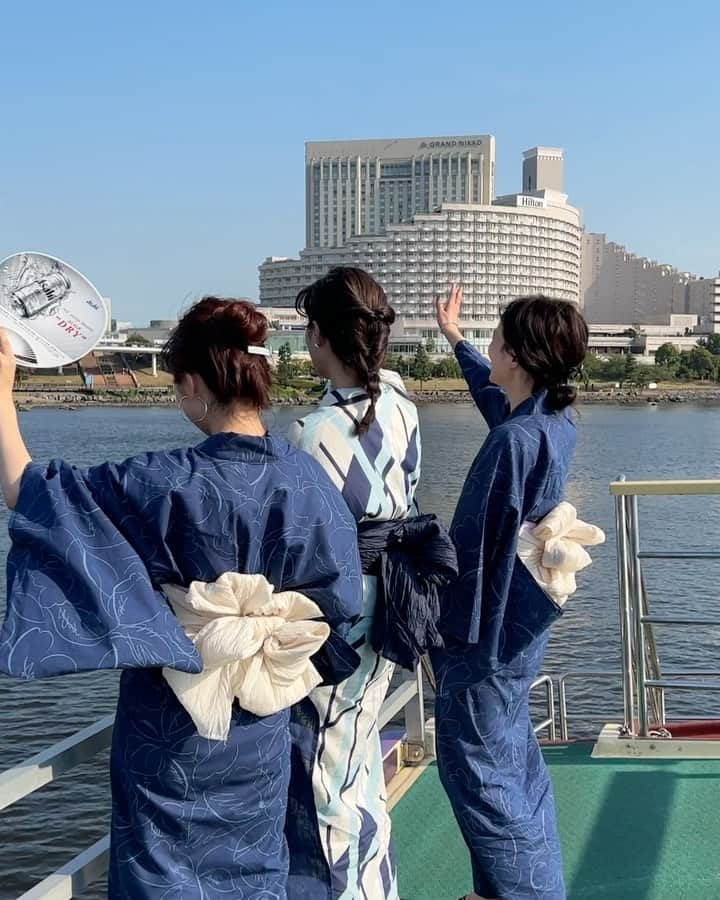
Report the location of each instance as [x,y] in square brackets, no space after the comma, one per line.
[159,147]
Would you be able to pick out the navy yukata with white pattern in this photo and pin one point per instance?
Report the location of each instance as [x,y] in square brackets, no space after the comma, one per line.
[496,626]
[192,818]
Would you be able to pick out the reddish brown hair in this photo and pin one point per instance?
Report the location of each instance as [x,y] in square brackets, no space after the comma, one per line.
[211,340]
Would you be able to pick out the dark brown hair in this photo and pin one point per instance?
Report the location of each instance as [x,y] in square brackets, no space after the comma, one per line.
[548,338]
[353,314]
[211,340]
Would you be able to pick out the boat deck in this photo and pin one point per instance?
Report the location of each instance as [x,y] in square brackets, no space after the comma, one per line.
[630,829]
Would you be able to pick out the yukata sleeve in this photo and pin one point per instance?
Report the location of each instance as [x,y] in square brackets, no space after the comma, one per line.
[489,399]
[495,600]
[325,566]
[79,597]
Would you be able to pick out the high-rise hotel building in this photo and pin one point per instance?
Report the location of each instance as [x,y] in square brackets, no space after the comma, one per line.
[361,187]
[432,218]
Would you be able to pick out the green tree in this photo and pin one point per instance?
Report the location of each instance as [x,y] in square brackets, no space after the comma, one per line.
[393,362]
[593,369]
[447,367]
[667,356]
[613,368]
[421,368]
[137,340]
[629,368]
[711,343]
[284,371]
[303,367]
[700,363]
[642,376]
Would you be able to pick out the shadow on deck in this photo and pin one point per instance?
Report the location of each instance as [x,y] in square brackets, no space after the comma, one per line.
[630,830]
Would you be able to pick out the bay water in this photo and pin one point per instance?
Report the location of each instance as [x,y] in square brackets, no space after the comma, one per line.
[677,441]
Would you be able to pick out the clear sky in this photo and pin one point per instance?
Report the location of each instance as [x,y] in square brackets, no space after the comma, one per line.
[158,147]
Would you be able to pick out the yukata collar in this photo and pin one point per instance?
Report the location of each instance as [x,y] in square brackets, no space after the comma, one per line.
[244,447]
[338,396]
[536,404]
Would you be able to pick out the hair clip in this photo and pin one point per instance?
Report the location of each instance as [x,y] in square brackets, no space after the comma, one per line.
[258,351]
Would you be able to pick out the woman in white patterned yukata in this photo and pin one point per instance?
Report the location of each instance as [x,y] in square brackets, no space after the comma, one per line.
[365,434]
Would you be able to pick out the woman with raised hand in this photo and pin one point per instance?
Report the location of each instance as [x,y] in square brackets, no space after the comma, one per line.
[365,434]
[220,578]
[496,616]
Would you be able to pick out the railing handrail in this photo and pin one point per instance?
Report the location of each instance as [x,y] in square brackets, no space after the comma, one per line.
[74,876]
[39,770]
[664,488]
[644,684]
[44,767]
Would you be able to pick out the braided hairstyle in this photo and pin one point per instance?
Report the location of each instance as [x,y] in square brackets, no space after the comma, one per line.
[352,313]
[549,339]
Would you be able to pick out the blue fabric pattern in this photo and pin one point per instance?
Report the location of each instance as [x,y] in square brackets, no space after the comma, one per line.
[495,624]
[192,818]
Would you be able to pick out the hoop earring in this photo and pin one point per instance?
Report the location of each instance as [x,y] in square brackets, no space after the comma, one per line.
[185,397]
[315,344]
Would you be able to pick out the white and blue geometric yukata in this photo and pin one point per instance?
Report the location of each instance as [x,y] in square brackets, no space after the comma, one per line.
[338,827]
[192,818]
[496,626]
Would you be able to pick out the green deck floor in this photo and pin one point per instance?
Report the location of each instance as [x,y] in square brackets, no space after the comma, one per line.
[630,830]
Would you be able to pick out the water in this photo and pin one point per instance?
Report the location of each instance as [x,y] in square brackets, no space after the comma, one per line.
[45,830]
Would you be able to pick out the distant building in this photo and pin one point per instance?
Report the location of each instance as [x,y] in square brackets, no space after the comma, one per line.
[520,244]
[619,286]
[157,331]
[363,187]
[682,331]
[702,299]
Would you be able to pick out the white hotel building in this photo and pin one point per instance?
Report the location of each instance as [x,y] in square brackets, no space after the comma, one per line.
[498,249]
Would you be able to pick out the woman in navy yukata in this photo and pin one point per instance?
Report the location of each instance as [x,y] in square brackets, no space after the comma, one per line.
[365,433]
[193,816]
[496,618]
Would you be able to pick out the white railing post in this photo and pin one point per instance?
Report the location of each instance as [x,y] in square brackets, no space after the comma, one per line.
[626,620]
[639,626]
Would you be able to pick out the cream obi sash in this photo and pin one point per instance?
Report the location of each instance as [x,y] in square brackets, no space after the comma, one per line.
[553,550]
[255,646]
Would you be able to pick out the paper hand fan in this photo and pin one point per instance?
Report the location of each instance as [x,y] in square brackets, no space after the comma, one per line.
[53,315]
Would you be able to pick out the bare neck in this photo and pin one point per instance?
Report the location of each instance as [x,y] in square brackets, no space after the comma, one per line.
[520,390]
[234,420]
[341,376]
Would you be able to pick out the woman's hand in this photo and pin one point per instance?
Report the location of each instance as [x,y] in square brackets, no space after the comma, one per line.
[448,312]
[7,366]
[13,453]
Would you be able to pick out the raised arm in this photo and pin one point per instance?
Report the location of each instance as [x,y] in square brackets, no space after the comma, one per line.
[14,456]
[490,400]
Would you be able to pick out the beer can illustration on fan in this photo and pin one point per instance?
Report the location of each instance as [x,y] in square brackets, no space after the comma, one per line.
[53,314]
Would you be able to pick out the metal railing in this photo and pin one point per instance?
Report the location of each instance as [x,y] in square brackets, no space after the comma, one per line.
[547,723]
[644,685]
[27,777]
[407,699]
